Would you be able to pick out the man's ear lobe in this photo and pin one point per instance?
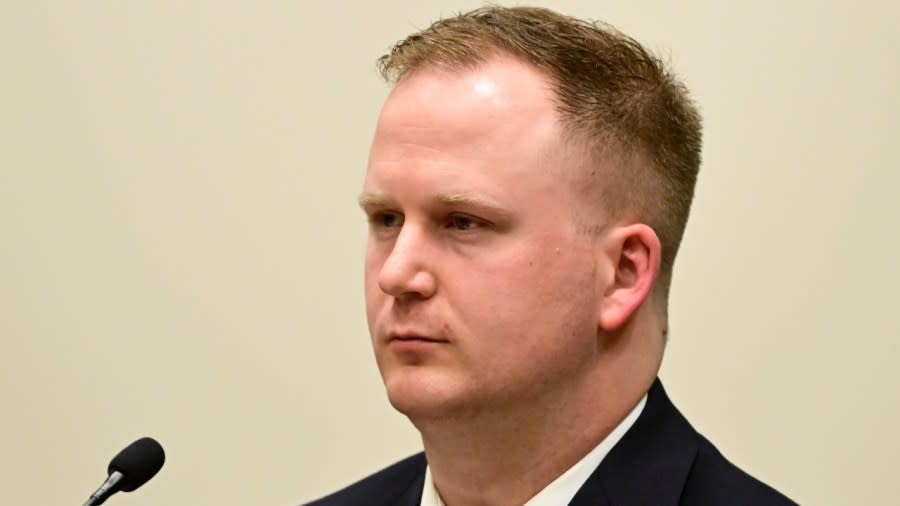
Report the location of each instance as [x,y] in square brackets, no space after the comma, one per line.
[634,253]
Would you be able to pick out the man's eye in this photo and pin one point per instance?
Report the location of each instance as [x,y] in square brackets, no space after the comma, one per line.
[461,222]
[387,219]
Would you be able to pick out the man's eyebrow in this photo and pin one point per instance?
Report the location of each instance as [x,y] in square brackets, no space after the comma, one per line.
[470,200]
[369,199]
[372,199]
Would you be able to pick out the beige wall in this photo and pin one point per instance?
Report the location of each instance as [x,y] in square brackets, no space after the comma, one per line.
[180,252]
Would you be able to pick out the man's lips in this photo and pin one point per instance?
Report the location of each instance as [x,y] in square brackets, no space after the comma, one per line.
[414,338]
[411,336]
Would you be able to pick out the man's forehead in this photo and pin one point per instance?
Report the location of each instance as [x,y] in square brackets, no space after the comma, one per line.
[491,130]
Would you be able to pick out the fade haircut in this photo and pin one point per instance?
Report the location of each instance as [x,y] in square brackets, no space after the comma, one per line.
[616,101]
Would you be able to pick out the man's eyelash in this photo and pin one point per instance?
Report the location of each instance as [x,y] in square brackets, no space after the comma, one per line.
[378,217]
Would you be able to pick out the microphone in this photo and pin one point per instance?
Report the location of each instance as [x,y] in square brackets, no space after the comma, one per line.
[130,469]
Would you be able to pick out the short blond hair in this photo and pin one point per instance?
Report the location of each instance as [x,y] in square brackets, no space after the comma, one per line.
[614,95]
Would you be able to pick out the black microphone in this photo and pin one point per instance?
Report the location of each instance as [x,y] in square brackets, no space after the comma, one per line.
[130,469]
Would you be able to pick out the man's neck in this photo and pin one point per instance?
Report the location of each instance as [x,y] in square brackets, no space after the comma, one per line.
[506,456]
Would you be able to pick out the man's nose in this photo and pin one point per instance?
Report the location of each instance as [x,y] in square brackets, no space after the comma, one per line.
[407,270]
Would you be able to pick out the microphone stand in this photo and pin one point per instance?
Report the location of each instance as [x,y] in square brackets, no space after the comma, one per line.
[105,490]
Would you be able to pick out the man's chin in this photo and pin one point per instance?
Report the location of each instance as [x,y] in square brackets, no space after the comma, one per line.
[422,394]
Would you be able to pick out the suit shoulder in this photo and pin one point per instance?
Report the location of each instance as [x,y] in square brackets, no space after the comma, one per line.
[382,488]
[715,480]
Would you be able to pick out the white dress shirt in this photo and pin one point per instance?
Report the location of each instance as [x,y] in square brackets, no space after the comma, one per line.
[561,490]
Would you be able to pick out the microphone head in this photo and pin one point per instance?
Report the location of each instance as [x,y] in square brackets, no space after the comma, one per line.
[138,462]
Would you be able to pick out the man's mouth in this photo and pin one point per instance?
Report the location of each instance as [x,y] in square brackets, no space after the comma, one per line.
[412,337]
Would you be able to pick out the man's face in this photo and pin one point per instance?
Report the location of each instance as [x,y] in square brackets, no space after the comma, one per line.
[480,290]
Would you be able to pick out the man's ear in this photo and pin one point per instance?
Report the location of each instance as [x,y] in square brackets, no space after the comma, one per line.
[633,252]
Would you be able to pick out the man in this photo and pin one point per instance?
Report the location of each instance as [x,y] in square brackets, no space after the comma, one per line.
[528,186]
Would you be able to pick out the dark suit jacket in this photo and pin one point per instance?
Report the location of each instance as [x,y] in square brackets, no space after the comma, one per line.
[660,461]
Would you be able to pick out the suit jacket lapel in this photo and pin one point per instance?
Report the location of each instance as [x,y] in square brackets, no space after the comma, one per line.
[413,495]
[650,464]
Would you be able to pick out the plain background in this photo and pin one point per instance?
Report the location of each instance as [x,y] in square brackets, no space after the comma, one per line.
[181,253]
